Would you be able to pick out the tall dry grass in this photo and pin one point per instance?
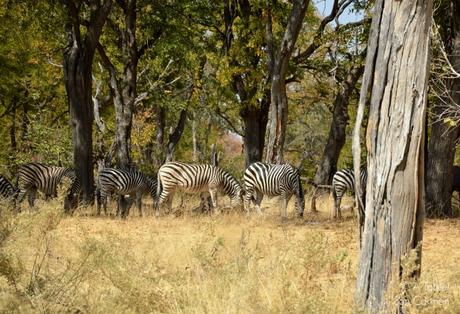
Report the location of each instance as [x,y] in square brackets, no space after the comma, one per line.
[227,263]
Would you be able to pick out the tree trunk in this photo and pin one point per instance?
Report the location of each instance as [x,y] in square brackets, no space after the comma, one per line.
[25,122]
[394,204]
[175,135]
[441,147]
[337,135]
[13,140]
[78,61]
[78,81]
[124,91]
[255,124]
[279,101]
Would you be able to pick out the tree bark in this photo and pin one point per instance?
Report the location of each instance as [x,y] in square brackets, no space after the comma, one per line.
[124,90]
[441,147]
[175,135]
[337,136]
[279,101]
[255,124]
[78,61]
[394,204]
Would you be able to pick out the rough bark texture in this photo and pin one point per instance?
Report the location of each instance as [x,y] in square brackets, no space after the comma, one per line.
[397,67]
[441,147]
[279,102]
[124,90]
[337,135]
[255,125]
[253,113]
[176,135]
[78,60]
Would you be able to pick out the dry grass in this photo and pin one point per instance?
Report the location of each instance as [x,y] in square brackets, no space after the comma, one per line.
[227,263]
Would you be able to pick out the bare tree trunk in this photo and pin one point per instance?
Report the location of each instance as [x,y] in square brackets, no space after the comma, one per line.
[78,61]
[337,135]
[279,101]
[441,147]
[394,204]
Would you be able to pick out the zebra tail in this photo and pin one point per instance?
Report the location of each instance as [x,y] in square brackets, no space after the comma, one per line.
[159,187]
[301,194]
[334,194]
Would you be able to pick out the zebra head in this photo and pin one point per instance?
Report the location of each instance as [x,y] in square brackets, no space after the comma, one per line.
[232,188]
[152,186]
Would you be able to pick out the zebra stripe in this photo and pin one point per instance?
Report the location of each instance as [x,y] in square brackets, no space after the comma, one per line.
[124,182]
[7,190]
[191,178]
[273,180]
[342,181]
[36,176]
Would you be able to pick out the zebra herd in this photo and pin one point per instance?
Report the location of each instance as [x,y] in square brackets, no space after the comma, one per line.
[259,179]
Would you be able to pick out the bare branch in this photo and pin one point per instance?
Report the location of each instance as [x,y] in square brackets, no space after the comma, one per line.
[337,9]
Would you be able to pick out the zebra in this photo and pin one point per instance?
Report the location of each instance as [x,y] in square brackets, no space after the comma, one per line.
[72,198]
[342,181]
[273,180]
[124,182]
[7,190]
[195,178]
[36,176]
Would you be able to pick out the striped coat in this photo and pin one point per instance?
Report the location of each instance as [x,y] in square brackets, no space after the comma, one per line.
[192,178]
[342,181]
[124,182]
[36,176]
[273,180]
[7,190]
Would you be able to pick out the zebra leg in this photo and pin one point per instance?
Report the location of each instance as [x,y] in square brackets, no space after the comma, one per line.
[123,207]
[32,194]
[139,204]
[258,200]
[21,195]
[337,212]
[169,202]
[213,193]
[98,201]
[104,204]
[286,199]
[247,199]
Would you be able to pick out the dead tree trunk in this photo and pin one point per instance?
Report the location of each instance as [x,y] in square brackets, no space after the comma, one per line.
[394,204]
[279,101]
[337,135]
[441,147]
[78,60]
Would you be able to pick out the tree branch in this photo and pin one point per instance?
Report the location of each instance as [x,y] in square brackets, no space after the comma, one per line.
[337,8]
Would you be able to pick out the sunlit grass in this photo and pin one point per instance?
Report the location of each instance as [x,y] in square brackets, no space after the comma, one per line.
[227,263]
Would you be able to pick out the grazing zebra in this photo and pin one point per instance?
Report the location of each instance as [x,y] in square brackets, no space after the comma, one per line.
[124,182]
[7,190]
[72,197]
[273,180]
[192,178]
[342,181]
[35,176]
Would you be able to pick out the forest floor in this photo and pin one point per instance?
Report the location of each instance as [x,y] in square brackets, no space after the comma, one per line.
[226,263]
